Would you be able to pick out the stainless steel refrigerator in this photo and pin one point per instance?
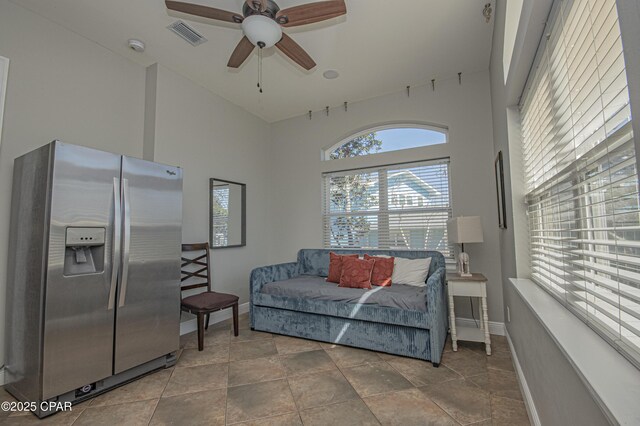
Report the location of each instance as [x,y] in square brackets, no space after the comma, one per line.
[93,293]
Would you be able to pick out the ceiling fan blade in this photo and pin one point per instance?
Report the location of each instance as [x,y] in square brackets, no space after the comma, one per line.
[295,52]
[311,12]
[204,11]
[263,4]
[240,53]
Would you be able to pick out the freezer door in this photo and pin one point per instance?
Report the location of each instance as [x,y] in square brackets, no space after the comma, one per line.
[78,319]
[148,309]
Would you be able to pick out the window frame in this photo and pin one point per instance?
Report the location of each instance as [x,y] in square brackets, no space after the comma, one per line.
[381,170]
[327,151]
[542,178]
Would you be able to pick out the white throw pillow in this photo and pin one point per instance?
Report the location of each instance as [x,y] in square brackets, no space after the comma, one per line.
[410,271]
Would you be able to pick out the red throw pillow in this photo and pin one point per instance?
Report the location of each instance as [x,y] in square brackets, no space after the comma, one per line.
[335,266]
[356,273]
[382,270]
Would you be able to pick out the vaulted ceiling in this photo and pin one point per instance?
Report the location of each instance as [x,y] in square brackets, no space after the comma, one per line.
[380,46]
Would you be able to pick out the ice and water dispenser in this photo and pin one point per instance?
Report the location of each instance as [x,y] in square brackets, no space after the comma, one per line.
[84,251]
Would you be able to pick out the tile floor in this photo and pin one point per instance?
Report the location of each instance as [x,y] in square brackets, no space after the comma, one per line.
[263,379]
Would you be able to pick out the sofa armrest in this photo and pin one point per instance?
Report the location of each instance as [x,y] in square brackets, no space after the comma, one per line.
[271,273]
[437,300]
[268,274]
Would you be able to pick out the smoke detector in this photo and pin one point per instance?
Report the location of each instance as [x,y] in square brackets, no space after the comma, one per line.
[136,45]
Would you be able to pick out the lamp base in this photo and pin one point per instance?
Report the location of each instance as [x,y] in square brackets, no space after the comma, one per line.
[467,275]
[463,265]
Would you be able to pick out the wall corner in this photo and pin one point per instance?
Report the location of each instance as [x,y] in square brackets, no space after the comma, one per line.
[150,98]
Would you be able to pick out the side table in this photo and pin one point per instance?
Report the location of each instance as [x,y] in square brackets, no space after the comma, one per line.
[473,286]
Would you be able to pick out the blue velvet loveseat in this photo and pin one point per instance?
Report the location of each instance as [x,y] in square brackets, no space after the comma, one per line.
[414,326]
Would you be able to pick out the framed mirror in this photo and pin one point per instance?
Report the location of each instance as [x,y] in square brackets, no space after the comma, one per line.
[227,216]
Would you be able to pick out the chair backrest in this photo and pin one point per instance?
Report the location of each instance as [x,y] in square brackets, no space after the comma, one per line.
[195,267]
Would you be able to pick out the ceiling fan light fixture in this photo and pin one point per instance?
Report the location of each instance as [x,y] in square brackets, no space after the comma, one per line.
[261,30]
[261,25]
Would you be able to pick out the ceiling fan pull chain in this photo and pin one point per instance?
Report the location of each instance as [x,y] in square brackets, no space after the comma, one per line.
[260,69]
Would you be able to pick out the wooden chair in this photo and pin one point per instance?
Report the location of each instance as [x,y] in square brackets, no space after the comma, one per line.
[203,304]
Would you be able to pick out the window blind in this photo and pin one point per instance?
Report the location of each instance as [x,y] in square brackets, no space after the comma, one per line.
[580,172]
[403,207]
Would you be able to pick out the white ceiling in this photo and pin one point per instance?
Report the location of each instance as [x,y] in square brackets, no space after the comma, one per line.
[380,46]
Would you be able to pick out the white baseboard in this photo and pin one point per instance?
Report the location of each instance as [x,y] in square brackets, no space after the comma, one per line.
[524,387]
[494,326]
[191,325]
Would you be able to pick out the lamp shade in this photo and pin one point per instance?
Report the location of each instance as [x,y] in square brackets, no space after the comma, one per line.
[465,229]
[260,29]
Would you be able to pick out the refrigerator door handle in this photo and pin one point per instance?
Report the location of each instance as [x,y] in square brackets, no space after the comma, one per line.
[115,261]
[126,231]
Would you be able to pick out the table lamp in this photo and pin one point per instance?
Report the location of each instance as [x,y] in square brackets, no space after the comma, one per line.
[461,230]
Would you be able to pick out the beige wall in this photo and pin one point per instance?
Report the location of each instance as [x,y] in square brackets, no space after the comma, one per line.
[210,137]
[296,220]
[61,86]
[67,87]
[557,390]
[505,93]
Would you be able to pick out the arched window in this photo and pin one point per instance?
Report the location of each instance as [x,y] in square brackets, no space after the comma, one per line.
[385,139]
[388,206]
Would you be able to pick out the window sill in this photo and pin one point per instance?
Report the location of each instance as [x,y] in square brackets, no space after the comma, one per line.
[611,379]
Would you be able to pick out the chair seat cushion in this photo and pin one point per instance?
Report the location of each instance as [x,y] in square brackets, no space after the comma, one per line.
[209,301]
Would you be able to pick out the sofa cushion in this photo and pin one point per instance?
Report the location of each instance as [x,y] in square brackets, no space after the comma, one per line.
[411,271]
[316,261]
[336,262]
[356,273]
[382,270]
[307,287]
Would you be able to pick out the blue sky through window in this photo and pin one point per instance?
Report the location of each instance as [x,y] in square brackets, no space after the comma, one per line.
[397,139]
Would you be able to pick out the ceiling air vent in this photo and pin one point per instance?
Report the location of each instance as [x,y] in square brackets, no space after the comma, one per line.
[187,33]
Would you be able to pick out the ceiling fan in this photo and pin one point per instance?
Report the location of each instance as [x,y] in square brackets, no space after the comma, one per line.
[262,22]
